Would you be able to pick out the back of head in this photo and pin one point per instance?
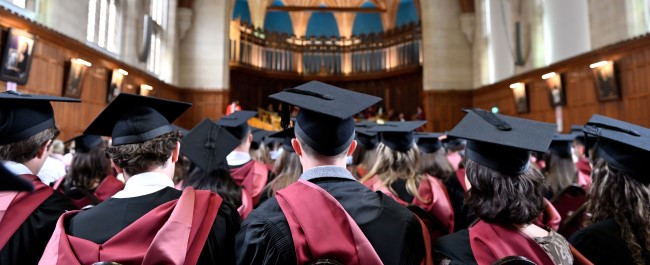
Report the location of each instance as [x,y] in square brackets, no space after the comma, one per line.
[560,172]
[436,164]
[218,181]
[288,170]
[88,169]
[137,158]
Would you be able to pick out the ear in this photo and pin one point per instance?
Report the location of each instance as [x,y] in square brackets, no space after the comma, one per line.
[353,146]
[176,152]
[117,168]
[296,146]
[42,151]
[250,137]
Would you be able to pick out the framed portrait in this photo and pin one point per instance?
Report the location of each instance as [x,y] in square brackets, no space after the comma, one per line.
[74,78]
[605,81]
[16,56]
[115,84]
[521,97]
[556,94]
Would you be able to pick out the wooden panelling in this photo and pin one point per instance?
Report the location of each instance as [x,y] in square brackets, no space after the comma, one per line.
[443,109]
[205,104]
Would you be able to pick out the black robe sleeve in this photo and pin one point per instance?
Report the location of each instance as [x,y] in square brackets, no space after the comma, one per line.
[219,248]
[455,247]
[27,244]
[601,243]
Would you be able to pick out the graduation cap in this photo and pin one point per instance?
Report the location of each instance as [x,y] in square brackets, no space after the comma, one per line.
[237,122]
[623,145]
[259,137]
[501,142]
[85,143]
[561,145]
[398,135]
[453,143]
[325,119]
[130,118]
[10,182]
[180,129]
[429,142]
[24,115]
[207,145]
[286,135]
[366,138]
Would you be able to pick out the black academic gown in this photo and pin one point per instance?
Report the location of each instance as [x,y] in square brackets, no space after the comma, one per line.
[27,244]
[456,247]
[462,214]
[108,218]
[602,243]
[393,231]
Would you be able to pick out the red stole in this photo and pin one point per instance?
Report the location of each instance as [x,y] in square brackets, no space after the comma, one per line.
[107,188]
[460,174]
[21,206]
[491,242]
[370,183]
[246,206]
[549,217]
[584,173]
[454,158]
[252,176]
[172,233]
[321,228]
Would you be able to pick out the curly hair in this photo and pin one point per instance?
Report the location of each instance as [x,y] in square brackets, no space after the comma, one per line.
[288,170]
[436,164]
[26,149]
[141,157]
[506,199]
[392,165]
[613,194]
[88,169]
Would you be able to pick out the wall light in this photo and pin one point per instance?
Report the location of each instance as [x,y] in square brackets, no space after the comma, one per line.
[123,72]
[516,85]
[598,64]
[548,75]
[146,87]
[81,61]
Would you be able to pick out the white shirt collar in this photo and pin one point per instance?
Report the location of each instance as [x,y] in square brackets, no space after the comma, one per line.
[17,168]
[143,184]
[236,158]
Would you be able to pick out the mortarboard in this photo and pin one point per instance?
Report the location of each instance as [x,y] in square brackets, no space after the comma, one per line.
[451,142]
[500,142]
[623,145]
[10,182]
[398,135]
[366,138]
[207,145]
[578,133]
[259,137]
[561,145]
[182,130]
[25,115]
[133,118]
[85,143]
[286,135]
[325,119]
[429,142]
[237,122]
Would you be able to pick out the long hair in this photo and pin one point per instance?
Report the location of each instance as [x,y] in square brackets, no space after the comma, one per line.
[363,158]
[87,170]
[436,164]
[261,154]
[218,181]
[613,194]
[392,165]
[288,170]
[560,173]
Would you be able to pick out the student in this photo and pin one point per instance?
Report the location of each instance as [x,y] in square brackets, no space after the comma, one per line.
[259,151]
[149,221]
[505,192]
[618,228]
[560,169]
[27,219]
[252,175]
[582,162]
[206,146]
[365,154]
[90,179]
[287,166]
[304,222]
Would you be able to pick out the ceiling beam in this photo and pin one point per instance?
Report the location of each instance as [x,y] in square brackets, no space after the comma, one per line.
[326,9]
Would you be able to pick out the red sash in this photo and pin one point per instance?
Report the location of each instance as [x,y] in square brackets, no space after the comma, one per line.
[252,176]
[436,199]
[370,183]
[107,188]
[22,205]
[584,173]
[321,228]
[549,217]
[172,233]
[491,242]
[246,206]
[454,158]
[460,174]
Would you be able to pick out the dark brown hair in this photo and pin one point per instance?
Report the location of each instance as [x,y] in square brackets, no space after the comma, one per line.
[507,199]
[26,149]
[218,181]
[87,170]
[436,164]
[141,157]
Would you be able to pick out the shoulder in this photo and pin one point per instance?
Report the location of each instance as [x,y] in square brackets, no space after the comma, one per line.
[455,247]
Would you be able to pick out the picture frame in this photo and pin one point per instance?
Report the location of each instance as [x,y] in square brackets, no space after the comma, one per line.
[605,81]
[520,93]
[74,78]
[17,56]
[115,87]
[556,93]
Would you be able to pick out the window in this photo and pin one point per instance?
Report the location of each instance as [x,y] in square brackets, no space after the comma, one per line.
[158,13]
[27,8]
[104,24]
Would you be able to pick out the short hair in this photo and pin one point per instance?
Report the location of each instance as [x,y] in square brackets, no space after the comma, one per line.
[138,158]
[26,149]
[507,199]
[309,151]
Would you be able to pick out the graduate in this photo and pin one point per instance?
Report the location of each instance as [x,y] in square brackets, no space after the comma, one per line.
[365,154]
[149,221]
[259,150]
[27,219]
[327,214]
[252,175]
[505,192]
[618,228]
[582,162]
[287,167]
[206,146]
[90,178]
[560,169]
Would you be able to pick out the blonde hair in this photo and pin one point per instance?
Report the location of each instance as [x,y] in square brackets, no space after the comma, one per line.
[392,165]
[288,169]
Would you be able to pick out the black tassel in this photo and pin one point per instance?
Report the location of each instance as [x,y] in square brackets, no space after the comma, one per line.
[285,116]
